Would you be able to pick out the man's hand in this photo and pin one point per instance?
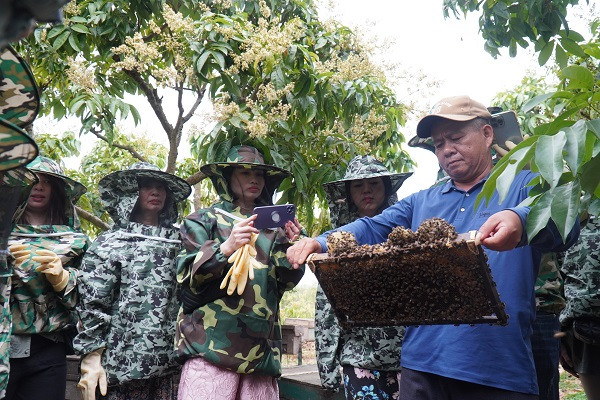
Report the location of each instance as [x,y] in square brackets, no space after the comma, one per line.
[502,231]
[297,253]
[566,362]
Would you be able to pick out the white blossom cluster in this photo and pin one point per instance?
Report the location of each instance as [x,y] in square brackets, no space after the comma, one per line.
[81,76]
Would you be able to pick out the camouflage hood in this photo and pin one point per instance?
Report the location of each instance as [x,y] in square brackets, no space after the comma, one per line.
[119,192]
[17,18]
[15,186]
[244,157]
[73,189]
[19,105]
[360,167]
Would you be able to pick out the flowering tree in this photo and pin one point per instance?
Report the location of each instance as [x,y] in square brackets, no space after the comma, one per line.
[565,120]
[302,91]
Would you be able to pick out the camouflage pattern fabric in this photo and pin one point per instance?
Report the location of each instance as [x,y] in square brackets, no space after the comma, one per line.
[582,275]
[245,157]
[19,102]
[19,97]
[35,306]
[128,302]
[18,18]
[119,191]
[15,186]
[240,333]
[368,348]
[549,285]
[128,286]
[360,167]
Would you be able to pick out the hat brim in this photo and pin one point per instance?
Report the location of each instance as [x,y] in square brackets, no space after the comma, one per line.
[424,126]
[422,143]
[396,181]
[178,187]
[216,169]
[16,147]
[19,95]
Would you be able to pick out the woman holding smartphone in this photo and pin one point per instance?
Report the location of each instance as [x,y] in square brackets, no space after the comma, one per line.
[231,344]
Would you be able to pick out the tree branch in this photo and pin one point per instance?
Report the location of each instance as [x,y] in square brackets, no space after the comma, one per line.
[129,149]
[190,114]
[91,218]
[196,178]
[153,98]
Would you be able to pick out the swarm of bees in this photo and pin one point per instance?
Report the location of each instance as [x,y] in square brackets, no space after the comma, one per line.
[414,278]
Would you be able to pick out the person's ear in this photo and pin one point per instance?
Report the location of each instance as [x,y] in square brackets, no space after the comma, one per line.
[488,134]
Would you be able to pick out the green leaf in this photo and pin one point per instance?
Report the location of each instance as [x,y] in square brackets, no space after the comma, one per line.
[579,77]
[594,126]
[60,40]
[539,214]
[536,101]
[73,43]
[572,47]
[545,53]
[565,207]
[590,175]
[575,146]
[561,57]
[80,28]
[548,157]
[517,160]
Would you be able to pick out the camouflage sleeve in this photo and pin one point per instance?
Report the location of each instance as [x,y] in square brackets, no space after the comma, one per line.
[201,260]
[98,286]
[287,277]
[327,338]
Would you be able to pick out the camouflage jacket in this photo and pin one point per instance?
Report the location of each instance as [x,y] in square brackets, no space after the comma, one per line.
[369,348]
[238,333]
[582,275]
[128,290]
[549,285]
[35,306]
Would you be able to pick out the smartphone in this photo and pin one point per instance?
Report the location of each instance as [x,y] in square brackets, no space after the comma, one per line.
[506,127]
[274,216]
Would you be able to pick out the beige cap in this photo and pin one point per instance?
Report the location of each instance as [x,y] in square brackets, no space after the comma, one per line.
[456,108]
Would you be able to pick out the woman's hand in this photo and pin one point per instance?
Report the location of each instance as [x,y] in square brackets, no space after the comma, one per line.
[293,230]
[240,235]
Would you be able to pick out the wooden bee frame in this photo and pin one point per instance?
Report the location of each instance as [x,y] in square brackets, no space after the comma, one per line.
[423,285]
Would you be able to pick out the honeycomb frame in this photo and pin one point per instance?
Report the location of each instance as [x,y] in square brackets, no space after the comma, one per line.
[434,283]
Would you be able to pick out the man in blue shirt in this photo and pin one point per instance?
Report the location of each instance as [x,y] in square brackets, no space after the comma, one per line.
[467,362]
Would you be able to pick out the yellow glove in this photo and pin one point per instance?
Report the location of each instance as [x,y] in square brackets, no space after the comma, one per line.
[92,375]
[52,267]
[20,253]
[242,269]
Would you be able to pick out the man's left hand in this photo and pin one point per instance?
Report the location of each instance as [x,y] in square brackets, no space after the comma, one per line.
[502,231]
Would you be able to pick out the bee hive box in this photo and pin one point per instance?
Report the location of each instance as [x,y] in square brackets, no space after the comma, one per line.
[415,278]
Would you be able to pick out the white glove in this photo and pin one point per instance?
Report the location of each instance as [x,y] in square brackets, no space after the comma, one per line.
[52,267]
[92,375]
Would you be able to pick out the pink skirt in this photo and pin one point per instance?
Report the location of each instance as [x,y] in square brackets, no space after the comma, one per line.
[203,380]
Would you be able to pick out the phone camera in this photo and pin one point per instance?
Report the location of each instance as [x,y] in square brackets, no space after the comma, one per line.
[275,217]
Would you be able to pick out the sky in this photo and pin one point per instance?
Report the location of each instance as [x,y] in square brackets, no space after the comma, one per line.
[439,58]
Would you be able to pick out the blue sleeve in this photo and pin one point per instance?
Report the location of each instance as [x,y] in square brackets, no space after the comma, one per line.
[376,229]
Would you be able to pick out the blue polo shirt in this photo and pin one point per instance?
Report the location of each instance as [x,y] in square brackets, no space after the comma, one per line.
[497,356]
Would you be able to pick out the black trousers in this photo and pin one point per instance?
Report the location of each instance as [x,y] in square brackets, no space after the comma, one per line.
[416,385]
[42,375]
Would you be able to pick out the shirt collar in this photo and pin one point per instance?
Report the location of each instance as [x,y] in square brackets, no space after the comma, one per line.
[449,186]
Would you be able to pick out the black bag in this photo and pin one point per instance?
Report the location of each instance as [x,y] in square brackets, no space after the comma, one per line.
[69,334]
[206,294]
[587,330]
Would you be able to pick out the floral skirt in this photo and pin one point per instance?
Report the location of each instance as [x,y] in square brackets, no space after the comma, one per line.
[162,388]
[368,384]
